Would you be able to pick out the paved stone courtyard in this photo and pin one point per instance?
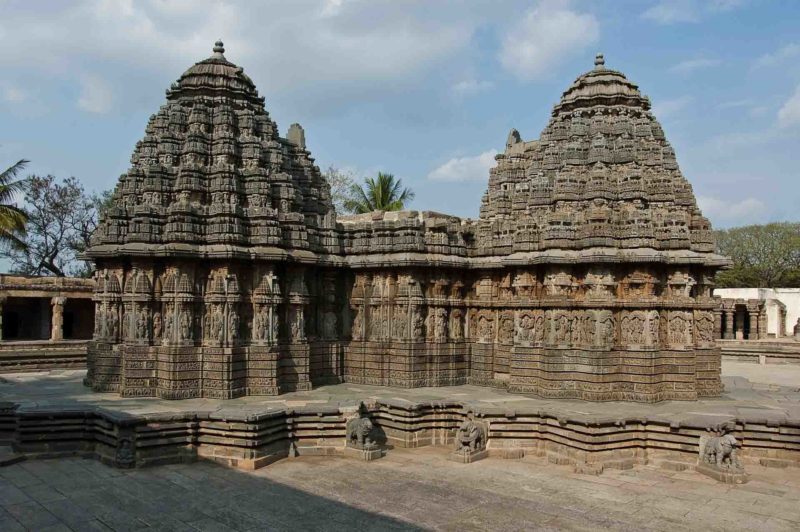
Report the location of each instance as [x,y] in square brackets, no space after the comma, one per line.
[406,490]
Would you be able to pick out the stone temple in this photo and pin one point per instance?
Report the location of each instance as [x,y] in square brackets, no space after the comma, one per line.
[224,271]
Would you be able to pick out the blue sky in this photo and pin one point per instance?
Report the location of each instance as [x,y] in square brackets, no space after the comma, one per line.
[426,90]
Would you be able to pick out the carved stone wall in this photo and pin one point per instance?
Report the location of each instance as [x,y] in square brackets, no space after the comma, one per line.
[223,270]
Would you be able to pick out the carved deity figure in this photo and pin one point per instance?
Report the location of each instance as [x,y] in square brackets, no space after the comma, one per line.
[796,330]
[185,325]
[652,328]
[400,322]
[297,325]
[677,329]
[605,329]
[417,324]
[98,321]
[704,327]
[233,327]
[525,329]
[141,324]
[633,328]
[261,324]
[470,437]
[456,326]
[275,328]
[169,319]
[506,332]
[358,325]
[157,326]
[440,324]
[113,321]
[484,329]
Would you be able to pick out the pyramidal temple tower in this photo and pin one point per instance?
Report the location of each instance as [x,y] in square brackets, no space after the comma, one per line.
[222,269]
[194,287]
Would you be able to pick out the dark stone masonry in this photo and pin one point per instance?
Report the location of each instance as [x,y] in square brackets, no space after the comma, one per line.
[223,270]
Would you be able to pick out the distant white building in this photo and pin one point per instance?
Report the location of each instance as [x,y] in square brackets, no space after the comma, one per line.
[758,312]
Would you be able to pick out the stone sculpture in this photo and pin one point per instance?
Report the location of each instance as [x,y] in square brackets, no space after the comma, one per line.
[796,330]
[359,443]
[470,441]
[358,431]
[719,456]
[125,456]
[589,246]
[470,437]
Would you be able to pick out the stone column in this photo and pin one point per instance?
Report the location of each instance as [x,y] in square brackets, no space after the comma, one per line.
[718,324]
[2,302]
[728,324]
[57,321]
[762,323]
[754,329]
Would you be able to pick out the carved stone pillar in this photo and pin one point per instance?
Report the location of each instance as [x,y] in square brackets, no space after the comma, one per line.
[728,324]
[57,319]
[718,324]
[762,323]
[754,330]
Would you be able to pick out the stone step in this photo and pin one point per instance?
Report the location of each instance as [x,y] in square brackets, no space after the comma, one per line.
[9,457]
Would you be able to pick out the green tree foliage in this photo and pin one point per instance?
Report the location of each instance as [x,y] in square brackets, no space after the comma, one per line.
[384,193]
[12,218]
[764,256]
[61,217]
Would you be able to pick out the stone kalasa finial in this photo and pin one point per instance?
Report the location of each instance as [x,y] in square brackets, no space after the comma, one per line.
[219,48]
[599,62]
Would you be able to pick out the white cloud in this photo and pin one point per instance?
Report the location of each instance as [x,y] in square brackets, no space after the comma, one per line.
[475,168]
[668,108]
[12,94]
[789,113]
[321,49]
[732,212]
[672,11]
[96,95]
[790,51]
[469,87]
[677,11]
[544,36]
[729,143]
[688,66]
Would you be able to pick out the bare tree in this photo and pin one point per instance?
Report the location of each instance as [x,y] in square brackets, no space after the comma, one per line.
[341,183]
[61,217]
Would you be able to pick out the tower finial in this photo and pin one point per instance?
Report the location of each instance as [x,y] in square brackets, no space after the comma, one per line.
[599,62]
[219,48]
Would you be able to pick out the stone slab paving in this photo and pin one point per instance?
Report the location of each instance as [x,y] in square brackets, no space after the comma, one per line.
[406,490]
[751,390]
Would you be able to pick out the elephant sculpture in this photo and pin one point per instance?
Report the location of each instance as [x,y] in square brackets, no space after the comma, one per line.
[720,451]
[470,437]
[358,433]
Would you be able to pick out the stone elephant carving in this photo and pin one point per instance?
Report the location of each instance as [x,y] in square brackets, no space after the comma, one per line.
[358,433]
[720,451]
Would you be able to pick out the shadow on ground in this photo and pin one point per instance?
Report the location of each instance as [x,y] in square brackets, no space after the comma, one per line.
[86,495]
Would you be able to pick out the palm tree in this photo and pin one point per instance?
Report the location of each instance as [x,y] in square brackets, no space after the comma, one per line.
[382,194]
[12,219]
